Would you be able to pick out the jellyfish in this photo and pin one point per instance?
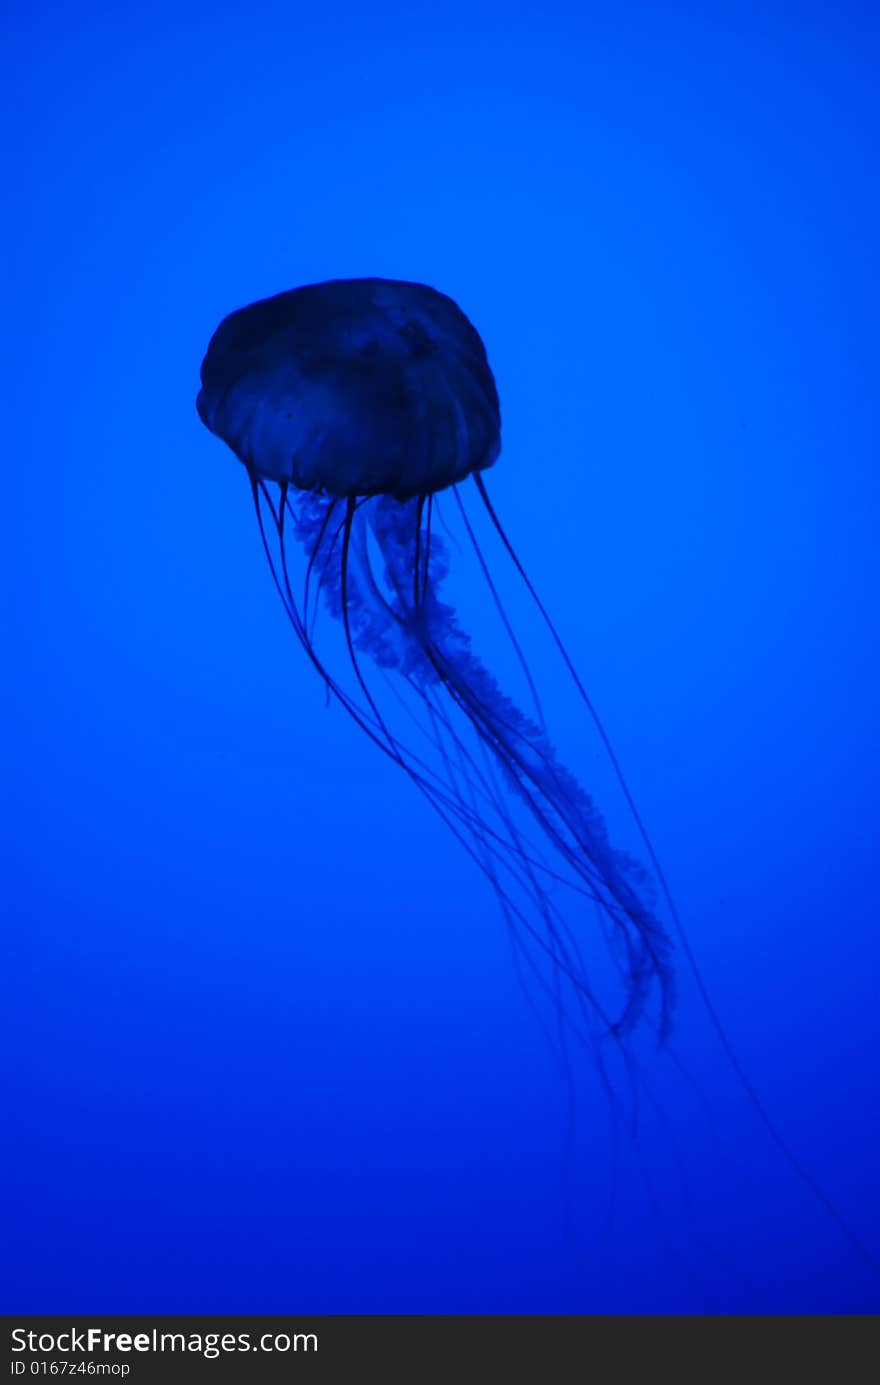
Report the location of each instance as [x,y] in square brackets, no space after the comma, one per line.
[356,406]
[359,408]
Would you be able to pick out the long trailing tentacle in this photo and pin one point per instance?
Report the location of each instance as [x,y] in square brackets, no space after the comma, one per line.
[565,815]
[527,764]
[448,806]
[470,800]
[484,568]
[754,1098]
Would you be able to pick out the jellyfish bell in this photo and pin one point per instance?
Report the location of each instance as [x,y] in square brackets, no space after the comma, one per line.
[354,387]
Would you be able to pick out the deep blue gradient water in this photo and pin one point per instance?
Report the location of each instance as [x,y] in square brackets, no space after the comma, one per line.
[265,1047]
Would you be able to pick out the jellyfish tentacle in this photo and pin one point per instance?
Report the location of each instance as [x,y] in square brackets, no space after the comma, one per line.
[587,700]
[389,744]
[522,850]
[328,514]
[557,950]
[484,568]
[394,616]
[439,652]
[427,562]
[542,781]
[636,971]
[748,1086]
[539,792]
[461,824]
[417,564]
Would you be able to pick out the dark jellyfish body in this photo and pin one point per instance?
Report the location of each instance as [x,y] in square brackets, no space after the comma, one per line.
[353,387]
[353,404]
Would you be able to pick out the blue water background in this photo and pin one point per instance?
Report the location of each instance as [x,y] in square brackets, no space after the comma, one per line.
[265,1049]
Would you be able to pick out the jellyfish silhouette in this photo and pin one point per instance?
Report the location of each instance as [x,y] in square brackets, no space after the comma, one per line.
[353,405]
[356,407]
